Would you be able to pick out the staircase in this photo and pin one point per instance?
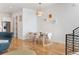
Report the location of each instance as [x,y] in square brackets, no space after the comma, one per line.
[72,42]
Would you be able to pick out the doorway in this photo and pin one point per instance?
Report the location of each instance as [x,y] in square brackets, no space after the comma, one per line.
[6,26]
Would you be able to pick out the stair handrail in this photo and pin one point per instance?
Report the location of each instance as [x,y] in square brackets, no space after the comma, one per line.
[75,28]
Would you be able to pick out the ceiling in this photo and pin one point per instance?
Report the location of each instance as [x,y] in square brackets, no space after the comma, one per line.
[14,7]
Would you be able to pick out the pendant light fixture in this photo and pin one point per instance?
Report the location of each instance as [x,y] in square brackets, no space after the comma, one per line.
[39,11]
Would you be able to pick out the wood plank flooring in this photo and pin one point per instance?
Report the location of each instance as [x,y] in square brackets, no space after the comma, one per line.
[53,49]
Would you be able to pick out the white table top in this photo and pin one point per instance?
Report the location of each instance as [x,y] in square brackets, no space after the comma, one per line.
[3,41]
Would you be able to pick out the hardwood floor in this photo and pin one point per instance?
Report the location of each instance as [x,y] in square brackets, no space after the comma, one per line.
[53,49]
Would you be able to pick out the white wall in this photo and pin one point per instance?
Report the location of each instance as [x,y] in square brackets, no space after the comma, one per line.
[67,19]
[53,27]
[68,16]
[29,21]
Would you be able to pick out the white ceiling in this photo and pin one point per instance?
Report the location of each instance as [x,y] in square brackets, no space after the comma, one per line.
[14,7]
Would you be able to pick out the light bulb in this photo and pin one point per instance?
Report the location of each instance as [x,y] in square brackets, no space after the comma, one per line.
[39,13]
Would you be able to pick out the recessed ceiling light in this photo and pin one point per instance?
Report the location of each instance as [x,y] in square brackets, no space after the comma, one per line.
[75,4]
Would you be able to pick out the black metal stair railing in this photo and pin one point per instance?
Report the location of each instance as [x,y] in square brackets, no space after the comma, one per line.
[76,40]
[72,42]
[69,44]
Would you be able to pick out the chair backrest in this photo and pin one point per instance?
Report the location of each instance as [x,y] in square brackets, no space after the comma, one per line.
[50,35]
[6,36]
